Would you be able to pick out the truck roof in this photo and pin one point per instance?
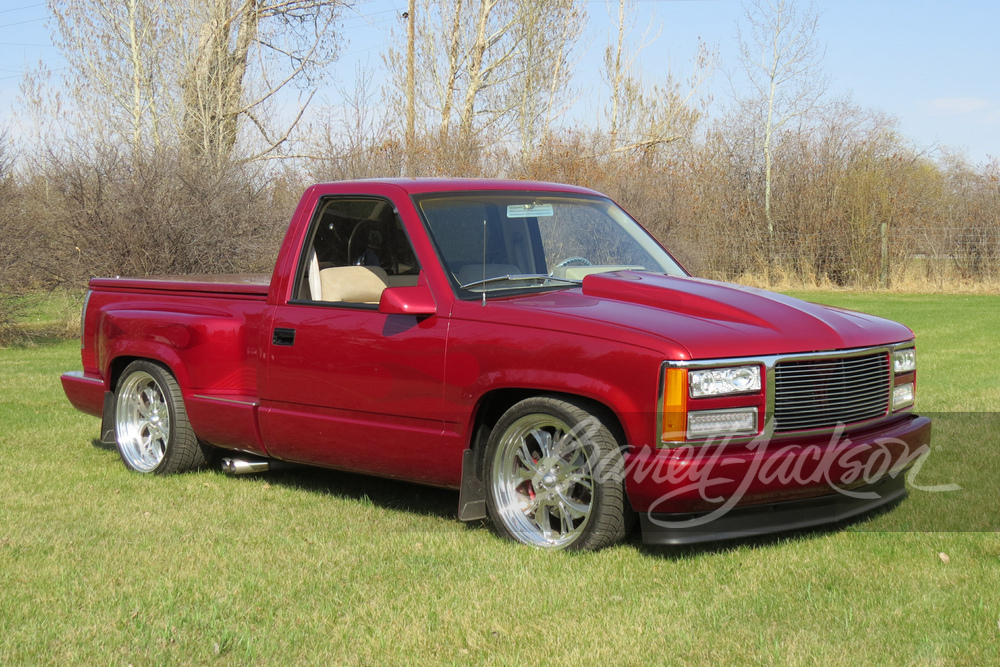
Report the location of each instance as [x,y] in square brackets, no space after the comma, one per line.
[427,185]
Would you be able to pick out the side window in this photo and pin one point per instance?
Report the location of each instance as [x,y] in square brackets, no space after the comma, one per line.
[357,248]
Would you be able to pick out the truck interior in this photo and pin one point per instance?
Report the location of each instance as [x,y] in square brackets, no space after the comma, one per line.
[357,248]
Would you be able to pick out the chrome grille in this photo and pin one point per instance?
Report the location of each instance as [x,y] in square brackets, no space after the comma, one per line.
[821,393]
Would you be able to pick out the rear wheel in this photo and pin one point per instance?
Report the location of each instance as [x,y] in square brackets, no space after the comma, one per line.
[151,425]
[554,476]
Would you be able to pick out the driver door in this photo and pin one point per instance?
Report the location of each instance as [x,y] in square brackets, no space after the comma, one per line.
[349,387]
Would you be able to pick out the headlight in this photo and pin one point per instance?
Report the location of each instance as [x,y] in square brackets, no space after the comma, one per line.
[723,381]
[904,361]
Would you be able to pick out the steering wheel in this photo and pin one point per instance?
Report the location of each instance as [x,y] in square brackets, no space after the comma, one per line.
[385,255]
[574,261]
[350,239]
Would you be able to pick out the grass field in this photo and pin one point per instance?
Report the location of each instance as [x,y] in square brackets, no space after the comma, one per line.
[100,566]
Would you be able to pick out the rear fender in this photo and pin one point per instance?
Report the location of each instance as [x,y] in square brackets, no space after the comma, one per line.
[139,349]
[203,351]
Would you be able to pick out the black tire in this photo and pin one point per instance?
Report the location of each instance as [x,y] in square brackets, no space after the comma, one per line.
[551,491]
[147,395]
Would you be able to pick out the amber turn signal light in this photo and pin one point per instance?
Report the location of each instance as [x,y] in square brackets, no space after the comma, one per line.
[674,408]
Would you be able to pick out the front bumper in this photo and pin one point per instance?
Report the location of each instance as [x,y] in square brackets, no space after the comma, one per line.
[748,521]
[731,490]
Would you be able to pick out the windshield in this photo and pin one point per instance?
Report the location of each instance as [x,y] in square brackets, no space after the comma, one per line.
[502,241]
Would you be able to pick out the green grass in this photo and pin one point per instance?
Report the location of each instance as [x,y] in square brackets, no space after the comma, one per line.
[101,566]
[44,314]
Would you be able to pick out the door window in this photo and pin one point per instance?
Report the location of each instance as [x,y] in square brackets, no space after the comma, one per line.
[356,248]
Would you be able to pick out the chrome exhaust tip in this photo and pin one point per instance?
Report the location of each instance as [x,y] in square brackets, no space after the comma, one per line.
[233,467]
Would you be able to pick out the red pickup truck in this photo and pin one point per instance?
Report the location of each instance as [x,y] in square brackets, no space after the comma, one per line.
[529,344]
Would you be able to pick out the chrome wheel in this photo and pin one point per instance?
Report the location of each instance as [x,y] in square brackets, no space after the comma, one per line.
[543,481]
[151,424]
[142,421]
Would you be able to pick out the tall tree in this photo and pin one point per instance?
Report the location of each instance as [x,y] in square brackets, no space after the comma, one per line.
[781,56]
[549,31]
[488,66]
[192,72]
[640,115]
[411,86]
[114,54]
[237,55]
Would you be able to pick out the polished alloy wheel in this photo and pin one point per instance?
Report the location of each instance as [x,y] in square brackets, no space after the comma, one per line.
[142,422]
[543,481]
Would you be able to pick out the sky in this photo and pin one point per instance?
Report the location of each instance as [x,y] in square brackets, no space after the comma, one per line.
[934,65]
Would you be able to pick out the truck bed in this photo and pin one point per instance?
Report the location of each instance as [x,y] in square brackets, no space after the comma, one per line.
[205,328]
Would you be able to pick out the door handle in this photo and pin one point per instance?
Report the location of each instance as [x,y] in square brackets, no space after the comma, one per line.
[284,337]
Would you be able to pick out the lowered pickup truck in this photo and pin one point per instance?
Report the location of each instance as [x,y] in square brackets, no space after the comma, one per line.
[526,343]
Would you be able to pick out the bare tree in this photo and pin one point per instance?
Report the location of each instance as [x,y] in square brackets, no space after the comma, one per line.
[491,56]
[357,139]
[411,86]
[487,66]
[18,231]
[115,56]
[8,218]
[192,72]
[781,57]
[619,60]
[549,31]
[643,116]
[238,55]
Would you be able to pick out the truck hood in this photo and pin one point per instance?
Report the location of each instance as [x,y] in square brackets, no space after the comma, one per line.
[710,319]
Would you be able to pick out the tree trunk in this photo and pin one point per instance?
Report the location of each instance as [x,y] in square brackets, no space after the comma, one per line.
[449,87]
[475,75]
[213,89]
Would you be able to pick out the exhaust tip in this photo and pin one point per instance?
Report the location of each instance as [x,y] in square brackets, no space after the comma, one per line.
[233,467]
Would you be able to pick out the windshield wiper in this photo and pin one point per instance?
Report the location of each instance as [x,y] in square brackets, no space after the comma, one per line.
[519,277]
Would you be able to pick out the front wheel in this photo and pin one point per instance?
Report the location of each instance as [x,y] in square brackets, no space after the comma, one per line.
[151,425]
[554,476]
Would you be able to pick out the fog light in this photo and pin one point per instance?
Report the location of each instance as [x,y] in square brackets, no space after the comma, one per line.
[902,395]
[706,423]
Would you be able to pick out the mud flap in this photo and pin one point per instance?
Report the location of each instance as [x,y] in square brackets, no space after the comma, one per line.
[472,495]
[108,419]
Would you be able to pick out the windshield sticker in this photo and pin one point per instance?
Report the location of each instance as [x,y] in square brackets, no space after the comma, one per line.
[529,211]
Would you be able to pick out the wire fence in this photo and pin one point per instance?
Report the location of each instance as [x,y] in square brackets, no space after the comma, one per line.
[877,257]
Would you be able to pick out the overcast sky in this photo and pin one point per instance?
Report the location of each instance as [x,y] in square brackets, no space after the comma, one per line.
[934,65]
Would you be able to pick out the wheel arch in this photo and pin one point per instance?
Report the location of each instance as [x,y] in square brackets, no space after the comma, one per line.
[165,357]
[493,404]
[489,409]
[117,366]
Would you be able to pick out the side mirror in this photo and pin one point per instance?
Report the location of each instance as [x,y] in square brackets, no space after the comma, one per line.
[416,300]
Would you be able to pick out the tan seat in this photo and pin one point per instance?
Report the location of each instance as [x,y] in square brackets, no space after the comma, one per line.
[353,284]
[312,277]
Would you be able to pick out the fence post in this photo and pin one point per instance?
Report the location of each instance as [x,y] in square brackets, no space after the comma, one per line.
[884,274]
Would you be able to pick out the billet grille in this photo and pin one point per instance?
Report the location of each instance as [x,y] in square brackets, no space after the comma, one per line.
[821,393]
